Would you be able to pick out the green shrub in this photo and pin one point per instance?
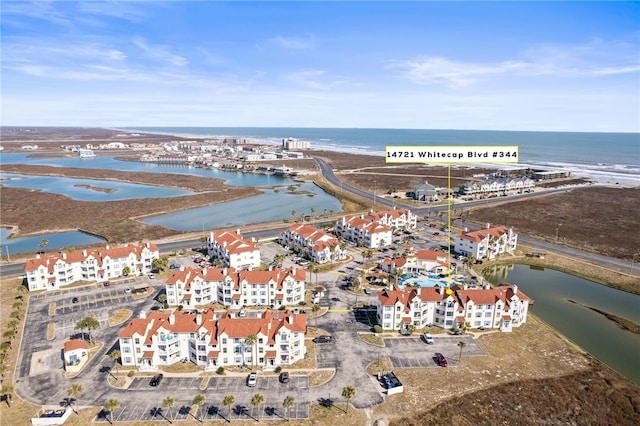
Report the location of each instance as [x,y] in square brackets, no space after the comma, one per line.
[131,373]
[220,370]
[278,369]
[377,329]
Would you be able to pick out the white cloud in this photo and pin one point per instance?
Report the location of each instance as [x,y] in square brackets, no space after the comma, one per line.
[589,60]
[160,53]
[297,43]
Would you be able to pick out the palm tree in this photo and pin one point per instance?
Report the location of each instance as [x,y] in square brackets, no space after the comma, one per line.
[162,298]
[168,403]
[256,401]
[111,406]
[461,345]
[74,391]
[313,212]
[288,403]
[88,323]
[348,392]
[228,401]
[252,340]
[198,400]
[6,392]
[114,355]
[293,214]
[315,309]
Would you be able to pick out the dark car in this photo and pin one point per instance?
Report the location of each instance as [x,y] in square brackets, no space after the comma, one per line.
[442,361]
[155,381]
[74,300]
[106,284]
[322,339]
[284,377]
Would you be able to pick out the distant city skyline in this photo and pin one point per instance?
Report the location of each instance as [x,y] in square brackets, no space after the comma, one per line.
[538,66]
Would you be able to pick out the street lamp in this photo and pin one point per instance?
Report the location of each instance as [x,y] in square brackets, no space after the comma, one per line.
[557,228]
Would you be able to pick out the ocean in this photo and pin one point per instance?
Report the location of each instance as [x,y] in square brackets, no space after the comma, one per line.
[604,157]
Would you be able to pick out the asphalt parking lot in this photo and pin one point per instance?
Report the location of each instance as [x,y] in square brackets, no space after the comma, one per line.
[413,352]
[149,405]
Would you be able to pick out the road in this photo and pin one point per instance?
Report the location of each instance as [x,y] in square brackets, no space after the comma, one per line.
[17,268]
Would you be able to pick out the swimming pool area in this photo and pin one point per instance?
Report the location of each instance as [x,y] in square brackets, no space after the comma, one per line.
[432,280]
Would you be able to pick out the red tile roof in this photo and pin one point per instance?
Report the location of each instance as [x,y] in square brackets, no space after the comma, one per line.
[71,345]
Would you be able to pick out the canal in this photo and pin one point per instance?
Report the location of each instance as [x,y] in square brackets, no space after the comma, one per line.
[563,302]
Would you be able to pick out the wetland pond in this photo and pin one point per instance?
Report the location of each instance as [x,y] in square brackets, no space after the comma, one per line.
[569,303]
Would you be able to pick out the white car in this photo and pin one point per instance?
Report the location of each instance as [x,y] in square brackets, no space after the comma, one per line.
[252,379]
[428,338]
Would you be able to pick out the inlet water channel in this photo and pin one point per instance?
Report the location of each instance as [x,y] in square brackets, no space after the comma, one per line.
[280,198]
[563,301]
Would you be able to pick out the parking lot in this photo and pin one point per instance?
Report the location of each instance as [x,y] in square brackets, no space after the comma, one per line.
[149,405]
[413,352]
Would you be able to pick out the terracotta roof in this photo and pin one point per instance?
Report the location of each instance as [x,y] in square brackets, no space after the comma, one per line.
[71,345]
[483,233]
[147,354]
[99,255]
[271,354]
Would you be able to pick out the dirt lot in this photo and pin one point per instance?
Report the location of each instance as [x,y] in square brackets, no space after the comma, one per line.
[603,219]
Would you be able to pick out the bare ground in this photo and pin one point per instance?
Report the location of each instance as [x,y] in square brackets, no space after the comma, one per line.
[604,220]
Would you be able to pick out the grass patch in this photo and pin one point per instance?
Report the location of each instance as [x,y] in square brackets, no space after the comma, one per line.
[52,309]
[371,338]
[182,367]
[379,366]
[204,383]
[120,316]
[319,377]
[51,331]
[117,382]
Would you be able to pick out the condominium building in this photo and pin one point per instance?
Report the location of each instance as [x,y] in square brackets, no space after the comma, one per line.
[232,250]
[50,272]
[419,262]
[502,184]
[503,307]
[375,229]
[213,340]
[487,242]
[312,243]
[193,287]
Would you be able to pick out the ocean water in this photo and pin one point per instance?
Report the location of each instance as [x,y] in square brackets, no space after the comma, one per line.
[604,157]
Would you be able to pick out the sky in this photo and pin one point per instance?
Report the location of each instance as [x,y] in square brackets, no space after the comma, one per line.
[541,66]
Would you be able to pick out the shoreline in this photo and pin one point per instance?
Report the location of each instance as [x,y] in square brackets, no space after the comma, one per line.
[585,170]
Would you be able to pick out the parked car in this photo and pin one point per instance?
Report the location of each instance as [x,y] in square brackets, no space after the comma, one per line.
[155,380]
[322,339]
[405,331]
[428,339]
[151,276]
[127,290]
[367,290]
[442,361]
[284,377]
[252,379]
[74,300]
[106,284]
[242,313]
[436,233]
[174,266]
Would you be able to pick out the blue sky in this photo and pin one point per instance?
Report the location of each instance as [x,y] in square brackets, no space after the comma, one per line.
[571,66]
